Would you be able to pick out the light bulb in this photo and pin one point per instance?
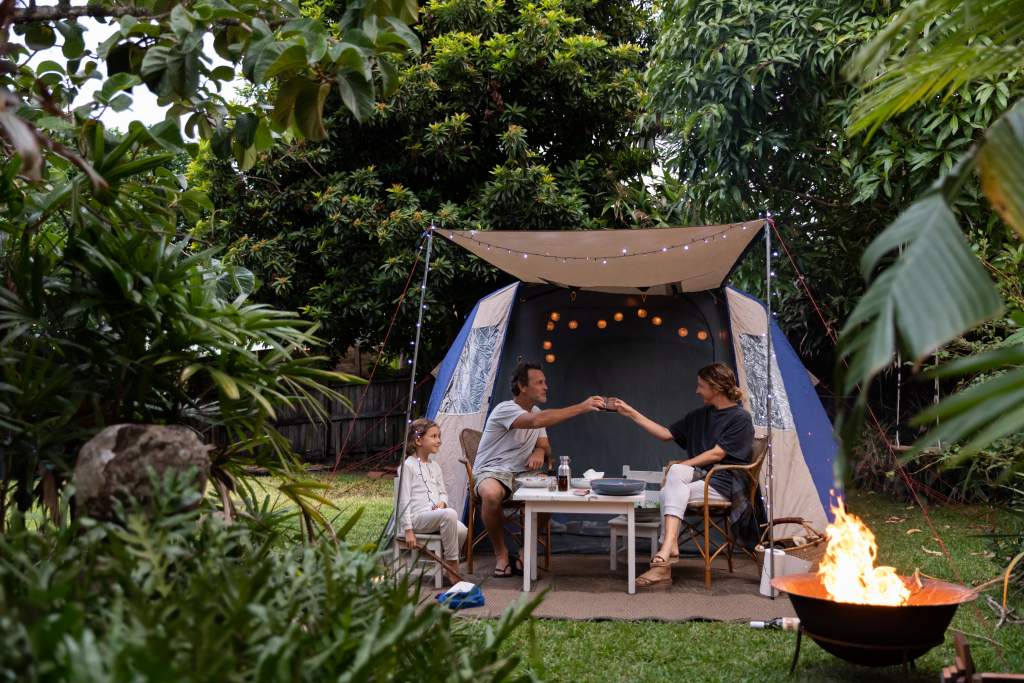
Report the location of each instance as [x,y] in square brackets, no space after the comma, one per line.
[573,324]
[641,312]
[682,331]
[546,345]
[702,335]
[550,326]
[656,320]
[601,324]
[556,316]
[617,317]
[550,358]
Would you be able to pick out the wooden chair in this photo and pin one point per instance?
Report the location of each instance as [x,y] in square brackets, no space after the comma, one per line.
[410,560]
[514,511]
[642,528]
[714,514]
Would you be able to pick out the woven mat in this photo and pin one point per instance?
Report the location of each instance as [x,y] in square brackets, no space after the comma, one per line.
[582,587]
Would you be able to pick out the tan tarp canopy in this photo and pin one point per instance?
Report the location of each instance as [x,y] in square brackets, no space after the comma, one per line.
[694,259]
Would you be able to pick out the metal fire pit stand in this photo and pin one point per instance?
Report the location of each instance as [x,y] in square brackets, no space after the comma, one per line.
[908,662]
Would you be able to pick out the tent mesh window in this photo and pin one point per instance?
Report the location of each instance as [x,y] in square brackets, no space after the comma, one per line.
[470,380]
[755,352]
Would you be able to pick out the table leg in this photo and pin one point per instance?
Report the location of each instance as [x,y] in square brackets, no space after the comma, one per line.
[534,554]
[631,550]
[528,546]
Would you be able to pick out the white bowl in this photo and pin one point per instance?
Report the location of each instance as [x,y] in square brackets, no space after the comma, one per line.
[579,483]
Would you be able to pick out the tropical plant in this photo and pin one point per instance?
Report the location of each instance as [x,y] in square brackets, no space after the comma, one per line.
[932,288]
[173,593]
[754,108]
[516,116]
[110,311]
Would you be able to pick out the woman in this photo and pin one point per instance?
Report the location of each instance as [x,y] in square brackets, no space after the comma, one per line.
[719,432]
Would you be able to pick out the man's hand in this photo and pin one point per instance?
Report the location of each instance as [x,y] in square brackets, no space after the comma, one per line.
[536,460]
[410,539]
[593,404]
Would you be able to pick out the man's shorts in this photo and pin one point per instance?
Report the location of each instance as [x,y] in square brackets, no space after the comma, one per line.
[506,479]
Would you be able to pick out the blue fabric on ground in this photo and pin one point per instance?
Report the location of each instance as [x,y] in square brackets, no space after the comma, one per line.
[471,598]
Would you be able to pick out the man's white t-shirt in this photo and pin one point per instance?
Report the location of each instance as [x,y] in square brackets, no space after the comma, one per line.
[503,449]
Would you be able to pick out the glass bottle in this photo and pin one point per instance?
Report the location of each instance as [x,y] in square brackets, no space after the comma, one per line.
[784,623]
[563,473]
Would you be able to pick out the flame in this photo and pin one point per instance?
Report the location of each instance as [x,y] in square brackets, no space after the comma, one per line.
[848,569]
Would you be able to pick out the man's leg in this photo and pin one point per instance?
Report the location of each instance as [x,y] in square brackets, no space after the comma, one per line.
[492,494]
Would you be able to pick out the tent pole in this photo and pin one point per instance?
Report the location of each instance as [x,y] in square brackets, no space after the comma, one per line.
[419,328]
[768,400]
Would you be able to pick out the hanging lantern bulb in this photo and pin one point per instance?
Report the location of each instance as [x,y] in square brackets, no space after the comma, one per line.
[702,335]
[556,316]
[550,358]
[550,326]
[573,324]
[682,332]
[641,312]
[617,317]
[656,320]
[546,345]
[601,324]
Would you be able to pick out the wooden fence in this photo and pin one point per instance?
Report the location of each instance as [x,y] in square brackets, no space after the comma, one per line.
[378,426]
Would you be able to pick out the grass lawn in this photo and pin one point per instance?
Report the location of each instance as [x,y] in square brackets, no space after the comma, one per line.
[717,651]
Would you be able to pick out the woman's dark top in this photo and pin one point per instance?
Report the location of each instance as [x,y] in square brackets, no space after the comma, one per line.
[731,428]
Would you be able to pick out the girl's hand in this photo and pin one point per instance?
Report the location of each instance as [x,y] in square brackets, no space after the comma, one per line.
[439,506]
[410,539]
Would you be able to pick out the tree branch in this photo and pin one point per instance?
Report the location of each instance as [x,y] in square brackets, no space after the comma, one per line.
[33,13]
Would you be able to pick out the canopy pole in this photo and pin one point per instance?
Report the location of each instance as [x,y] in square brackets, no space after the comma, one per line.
[419,328]
[768,400]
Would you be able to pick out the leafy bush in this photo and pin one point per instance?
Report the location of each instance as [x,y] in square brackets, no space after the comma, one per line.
[174,594]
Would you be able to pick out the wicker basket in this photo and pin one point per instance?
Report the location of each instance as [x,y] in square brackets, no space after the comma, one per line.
[812,551]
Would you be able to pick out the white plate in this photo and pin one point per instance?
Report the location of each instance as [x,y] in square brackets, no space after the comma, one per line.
[534,481]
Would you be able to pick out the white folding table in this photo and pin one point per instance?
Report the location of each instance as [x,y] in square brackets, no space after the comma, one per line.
[538,500]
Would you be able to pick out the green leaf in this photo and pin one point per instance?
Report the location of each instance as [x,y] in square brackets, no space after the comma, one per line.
[118,82]
[264,140]
[181,21]
[935,290]
[40,36]
[54,123]
[357,95]
[223,73]
[1001,163]
[284,105]
[225,383]
[245,129]
[309,110]
[74,39]
[269,57]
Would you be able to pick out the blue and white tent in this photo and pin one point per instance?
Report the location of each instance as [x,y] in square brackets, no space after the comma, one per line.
[634,314]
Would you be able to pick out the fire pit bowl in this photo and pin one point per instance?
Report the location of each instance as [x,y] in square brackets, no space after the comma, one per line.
[874,635]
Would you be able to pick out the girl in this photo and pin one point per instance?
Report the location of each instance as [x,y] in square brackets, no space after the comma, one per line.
[423,497]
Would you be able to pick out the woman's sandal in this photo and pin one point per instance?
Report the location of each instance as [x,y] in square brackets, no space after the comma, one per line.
[659,560]
[643,581]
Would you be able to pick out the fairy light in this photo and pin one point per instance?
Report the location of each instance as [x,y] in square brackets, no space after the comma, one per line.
[702,335]
[549,358]
[550,326]
[641,312]
[556,316]
[656,320]
[546,345]
[682,332]
[573,324]
[601,324]
[617,317]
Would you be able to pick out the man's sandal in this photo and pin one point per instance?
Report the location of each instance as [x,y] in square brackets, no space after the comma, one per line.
[659,560]
[503,573]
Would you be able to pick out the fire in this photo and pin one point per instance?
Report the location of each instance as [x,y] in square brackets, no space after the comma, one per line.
[848,569]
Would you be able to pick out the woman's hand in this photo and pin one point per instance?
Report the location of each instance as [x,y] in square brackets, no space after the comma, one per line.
[621,407]
[410,539]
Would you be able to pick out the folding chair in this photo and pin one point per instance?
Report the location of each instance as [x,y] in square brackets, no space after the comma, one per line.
[514,510]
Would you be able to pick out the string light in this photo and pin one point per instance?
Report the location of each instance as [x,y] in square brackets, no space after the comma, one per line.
[702,335]
[546,345]
[550,326]
[656,321]
[617,317]
[573,324]
[556,316]
[550,358]
[641,312]
[682,332]
[621,254]
[601,324]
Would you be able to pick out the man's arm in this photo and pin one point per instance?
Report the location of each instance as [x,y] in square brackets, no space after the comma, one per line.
[554,416]
[541,454]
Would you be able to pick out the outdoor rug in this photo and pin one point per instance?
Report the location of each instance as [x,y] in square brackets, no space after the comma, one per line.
[582,587]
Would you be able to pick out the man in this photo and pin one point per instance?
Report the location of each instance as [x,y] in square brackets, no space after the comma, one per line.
[719,432]
[515,440]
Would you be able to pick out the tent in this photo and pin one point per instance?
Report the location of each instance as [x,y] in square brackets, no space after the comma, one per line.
[634,314]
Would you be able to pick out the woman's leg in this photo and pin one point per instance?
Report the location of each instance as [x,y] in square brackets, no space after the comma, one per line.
[675,495]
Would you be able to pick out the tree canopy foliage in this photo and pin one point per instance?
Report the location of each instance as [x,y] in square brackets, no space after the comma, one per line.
[755,107]
[108,313]
[517,115]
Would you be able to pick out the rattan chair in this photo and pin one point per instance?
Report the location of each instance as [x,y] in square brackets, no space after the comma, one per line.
[514,510]
[704,515]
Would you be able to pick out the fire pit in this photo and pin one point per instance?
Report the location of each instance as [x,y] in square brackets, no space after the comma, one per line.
[866,614]
[873,635]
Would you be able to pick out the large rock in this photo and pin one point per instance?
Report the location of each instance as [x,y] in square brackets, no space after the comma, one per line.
[115,464]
